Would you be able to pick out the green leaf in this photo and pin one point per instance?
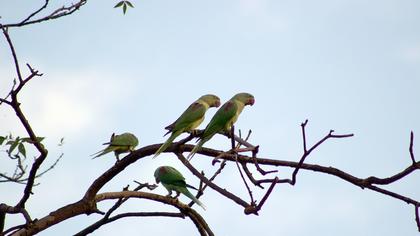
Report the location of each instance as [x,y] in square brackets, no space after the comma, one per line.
[26,139]
[119,4]
[39,139]
[22,149]
[10,142]
[13,146]
[2,139]
[124,8]
[29,140]
[129,4]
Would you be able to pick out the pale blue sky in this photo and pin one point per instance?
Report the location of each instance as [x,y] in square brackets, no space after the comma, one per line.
[351,66]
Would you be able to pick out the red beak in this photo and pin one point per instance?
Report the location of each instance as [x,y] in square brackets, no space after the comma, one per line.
[251,101]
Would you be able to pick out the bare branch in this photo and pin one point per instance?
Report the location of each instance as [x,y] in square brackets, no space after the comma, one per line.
[304,135]
[212,185]
[203,187]
[416,209]
[12,49]
[250,176]
[411,147]
[106,218]
[198,220]
[34,13]
[254,210]
[306,152]
[245,183]
[92,227]
[15,210]
[3,100]
[60,12]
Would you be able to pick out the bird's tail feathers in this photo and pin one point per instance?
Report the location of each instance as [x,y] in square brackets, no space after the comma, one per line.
[165,145]
[101,152]
[195,149]
[194,199]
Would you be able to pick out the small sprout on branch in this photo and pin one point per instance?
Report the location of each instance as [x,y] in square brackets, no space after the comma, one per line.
[123,5]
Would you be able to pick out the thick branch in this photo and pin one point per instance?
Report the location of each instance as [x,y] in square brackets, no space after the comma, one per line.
[106,218]
[56,217]
[82,207]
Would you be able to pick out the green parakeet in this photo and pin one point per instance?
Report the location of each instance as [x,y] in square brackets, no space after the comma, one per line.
[118,144]
[190,119]
[224,118]
[173,180]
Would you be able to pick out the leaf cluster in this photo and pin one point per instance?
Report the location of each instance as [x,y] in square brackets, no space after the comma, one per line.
[124,5]
[15,147]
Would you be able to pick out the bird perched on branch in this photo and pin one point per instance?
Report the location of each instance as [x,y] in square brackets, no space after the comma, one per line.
[190,119]
[118,144]
[224,118]
[173,180]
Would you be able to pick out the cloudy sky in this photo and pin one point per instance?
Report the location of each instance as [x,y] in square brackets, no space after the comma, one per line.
[352,66]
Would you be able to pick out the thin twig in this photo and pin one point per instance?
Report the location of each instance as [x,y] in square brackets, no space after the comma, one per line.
[232,136]
[34,13]
[13,51]
[306,152]
[14,228]
[266,195]
[203,186]
[90,229]
[250,176]
[197,219]
[212,185]
[107,216]
[411,147]
[60,12]
[246,184]
[416,210]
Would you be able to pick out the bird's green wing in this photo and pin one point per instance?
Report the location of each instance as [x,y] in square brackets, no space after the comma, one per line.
[190,117]
[219,122]
[170,175]
[221,119]
[125,139]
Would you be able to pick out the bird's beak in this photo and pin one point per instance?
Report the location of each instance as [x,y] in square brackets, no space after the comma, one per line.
[251,101]
[217,103]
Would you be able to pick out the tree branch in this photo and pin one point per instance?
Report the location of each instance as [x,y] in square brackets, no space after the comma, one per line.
[212,185]
[198,220]
[88,204]
[34,13]
[94,226]
[107,217]
[410,149]
[416,210]
[60,12]
[12,49]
